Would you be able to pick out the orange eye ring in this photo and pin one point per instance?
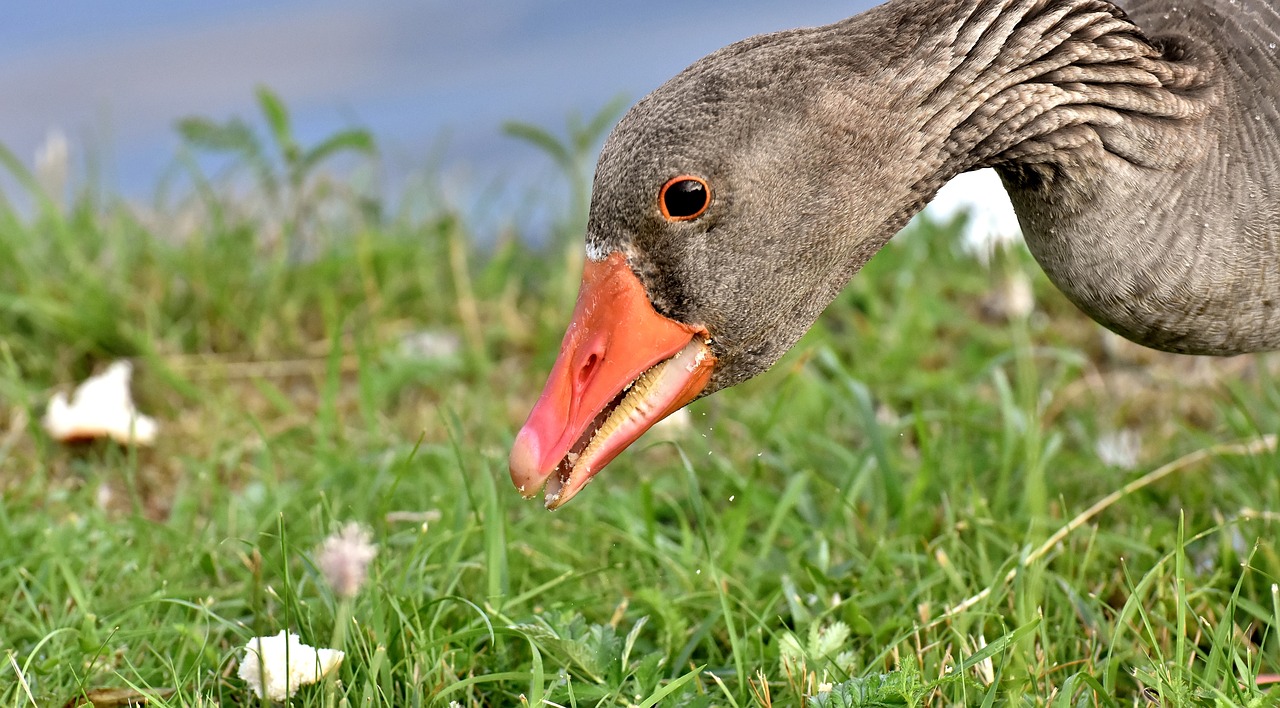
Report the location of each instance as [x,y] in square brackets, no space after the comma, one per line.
[684,198]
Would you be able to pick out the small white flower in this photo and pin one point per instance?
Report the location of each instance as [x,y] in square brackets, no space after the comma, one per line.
[274,667]
[430,345]
[1011,299]
[101,407]
[344,559]
[1120,449]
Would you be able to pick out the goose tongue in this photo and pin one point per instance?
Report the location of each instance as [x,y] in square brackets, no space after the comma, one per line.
[622,367]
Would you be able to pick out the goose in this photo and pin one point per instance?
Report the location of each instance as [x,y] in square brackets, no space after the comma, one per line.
[1139,143]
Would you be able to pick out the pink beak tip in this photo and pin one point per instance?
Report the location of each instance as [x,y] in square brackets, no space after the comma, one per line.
[523,463]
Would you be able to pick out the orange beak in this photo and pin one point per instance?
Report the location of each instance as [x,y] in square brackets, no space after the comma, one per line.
[622,367]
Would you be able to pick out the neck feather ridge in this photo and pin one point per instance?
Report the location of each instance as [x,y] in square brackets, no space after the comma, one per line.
[1032,79]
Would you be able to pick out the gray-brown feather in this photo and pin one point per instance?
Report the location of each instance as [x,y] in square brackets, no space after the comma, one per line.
[1166,226]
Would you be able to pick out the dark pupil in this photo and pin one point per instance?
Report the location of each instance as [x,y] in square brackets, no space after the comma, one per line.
[685,198]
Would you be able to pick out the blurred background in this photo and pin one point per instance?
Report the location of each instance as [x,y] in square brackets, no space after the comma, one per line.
[432,81]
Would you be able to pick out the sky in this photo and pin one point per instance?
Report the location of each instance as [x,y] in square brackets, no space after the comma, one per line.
[432,80]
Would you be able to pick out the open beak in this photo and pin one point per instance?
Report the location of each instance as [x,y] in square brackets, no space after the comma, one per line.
[622,367]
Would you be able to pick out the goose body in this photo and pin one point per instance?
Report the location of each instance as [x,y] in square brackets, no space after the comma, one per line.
[1139,144]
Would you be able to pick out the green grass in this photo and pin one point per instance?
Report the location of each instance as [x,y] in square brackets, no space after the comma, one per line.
[814,526]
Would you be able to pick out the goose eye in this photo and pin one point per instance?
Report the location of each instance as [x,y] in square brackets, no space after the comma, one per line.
[684,198]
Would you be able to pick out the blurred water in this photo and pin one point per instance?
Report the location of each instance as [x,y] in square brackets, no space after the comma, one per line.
[432,80]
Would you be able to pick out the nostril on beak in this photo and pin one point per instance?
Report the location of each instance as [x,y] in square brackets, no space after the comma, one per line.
[588,368]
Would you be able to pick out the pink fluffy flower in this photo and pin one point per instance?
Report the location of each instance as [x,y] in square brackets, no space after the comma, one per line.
[344,559]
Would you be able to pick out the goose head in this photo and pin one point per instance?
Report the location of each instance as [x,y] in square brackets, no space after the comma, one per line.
[722,222]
